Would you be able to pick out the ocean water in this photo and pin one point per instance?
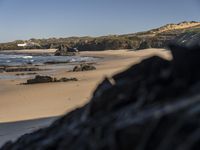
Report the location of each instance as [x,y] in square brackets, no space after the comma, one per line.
[19,60]
[53,69]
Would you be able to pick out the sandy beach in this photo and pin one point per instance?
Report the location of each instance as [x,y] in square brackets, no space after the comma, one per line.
[23,106]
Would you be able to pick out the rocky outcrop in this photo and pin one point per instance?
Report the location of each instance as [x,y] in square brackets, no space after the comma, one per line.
[40,79]
[48,79]
[26,74]
[56,62]
[109,43]
[64,50]
[21,69]
[189,39]
[63,79]
[84,67]
[153,105]
[144,45]
[2,69]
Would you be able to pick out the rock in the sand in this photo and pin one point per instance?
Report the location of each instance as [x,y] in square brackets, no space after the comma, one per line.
[2,69]
[154,105]
[40,79]
[84,67]
[56,62]
[64,50]
[20,69]
[24,74]
[48,79]
[65,79]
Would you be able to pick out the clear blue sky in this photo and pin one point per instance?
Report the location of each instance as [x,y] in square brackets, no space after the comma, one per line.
[25,19]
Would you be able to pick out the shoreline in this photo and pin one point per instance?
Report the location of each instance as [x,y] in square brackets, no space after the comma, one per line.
[30,102]
[13,96]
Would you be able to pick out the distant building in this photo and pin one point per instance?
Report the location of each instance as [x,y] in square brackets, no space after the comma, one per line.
[28,44]
[22,45]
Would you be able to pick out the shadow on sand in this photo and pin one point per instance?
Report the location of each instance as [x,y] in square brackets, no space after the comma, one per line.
[13,130]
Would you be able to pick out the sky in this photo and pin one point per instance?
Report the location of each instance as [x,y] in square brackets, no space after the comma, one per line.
[25,19]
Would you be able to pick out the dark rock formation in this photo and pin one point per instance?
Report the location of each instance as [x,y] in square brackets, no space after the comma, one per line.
[109,43]
[189,39]
[56,62]
[84,67]
[48,79]
[40,79]
[64,50]
[1,70]
[21,69]
[24,74]
[65,79]
[154,105]
[162,40]
[144,45]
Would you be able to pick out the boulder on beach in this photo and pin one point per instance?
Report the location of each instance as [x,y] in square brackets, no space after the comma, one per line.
[153,105]
[2,70]
[64,50]
[21,69]
[40,79]
[48,79]
[84,67]
[26,74]
[63,79]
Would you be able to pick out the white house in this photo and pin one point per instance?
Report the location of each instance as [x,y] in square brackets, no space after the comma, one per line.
[22,45]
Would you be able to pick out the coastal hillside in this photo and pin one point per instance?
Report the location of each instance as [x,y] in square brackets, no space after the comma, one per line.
[161,37]
[179,26]
[155,38]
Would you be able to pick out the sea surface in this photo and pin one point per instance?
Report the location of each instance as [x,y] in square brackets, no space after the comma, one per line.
[61,62]
[19,60]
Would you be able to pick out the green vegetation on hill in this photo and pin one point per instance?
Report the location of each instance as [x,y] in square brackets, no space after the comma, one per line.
[155,38]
